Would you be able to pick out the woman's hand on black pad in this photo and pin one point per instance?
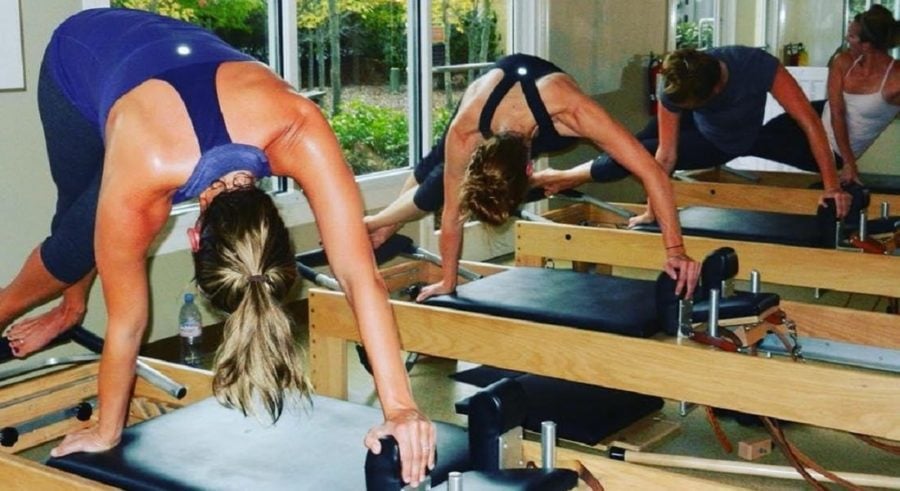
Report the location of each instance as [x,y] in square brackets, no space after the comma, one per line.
[416,437]
[841,198]
[685,271]
[85,440]
[433,289]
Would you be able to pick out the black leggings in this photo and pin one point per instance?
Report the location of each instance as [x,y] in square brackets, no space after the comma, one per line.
[75,150]
[781,140]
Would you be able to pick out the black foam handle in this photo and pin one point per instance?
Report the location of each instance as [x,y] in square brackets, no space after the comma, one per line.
[492,412]
[8,436]
[667,304]
[718,266]
[826,218]
[383,469]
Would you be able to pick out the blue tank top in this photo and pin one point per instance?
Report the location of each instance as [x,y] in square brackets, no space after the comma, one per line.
[526,70]
[98,55]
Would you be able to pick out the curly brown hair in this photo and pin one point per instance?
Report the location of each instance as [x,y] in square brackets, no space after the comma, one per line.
[496,180]
[245,268]
[690,76]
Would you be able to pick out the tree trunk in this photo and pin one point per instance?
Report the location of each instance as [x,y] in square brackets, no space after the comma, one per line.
[311,61]
[472,35]
[334,24]
[320,40]
[448,76]
[485,16]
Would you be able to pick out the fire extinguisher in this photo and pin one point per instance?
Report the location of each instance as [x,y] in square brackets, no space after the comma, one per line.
[653,70]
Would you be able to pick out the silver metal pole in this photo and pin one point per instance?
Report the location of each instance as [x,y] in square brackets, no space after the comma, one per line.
[548,445]
[754,281]
[714,312]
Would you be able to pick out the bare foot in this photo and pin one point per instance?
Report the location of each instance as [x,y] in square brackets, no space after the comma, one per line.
[33,333]
[554,181]
[646,217]
[381,235]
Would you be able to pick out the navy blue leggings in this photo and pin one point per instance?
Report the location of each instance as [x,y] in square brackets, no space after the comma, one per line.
[75,150]
[781,140]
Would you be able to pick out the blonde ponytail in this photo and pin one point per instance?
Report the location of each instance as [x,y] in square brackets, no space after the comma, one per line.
[245,267]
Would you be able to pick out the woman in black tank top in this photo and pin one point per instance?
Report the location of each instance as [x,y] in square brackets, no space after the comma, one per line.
[522,108]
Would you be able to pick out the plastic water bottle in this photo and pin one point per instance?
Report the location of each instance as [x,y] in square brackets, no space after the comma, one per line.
[190,330]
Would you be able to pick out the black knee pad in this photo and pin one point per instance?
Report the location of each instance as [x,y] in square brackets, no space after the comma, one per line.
[718,266]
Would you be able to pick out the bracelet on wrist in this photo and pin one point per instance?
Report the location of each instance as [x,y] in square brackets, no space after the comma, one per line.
[676,246]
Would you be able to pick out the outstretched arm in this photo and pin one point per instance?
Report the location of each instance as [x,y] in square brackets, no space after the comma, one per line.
[787,92]
[312,157]
[458,151]
[131,211]
[582,116]
[668,123]
[836,70]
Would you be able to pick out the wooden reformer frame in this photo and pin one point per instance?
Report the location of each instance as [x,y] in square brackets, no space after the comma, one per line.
[813,392]
[62,388]
[764,198]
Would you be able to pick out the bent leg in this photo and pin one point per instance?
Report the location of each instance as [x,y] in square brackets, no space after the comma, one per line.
[32,286]
[385,223]
[605,169]
[64,263]
[695,151]
[782,140]
[32,334]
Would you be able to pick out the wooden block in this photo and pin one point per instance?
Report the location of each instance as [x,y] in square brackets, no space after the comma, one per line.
[645,434]
[754,449]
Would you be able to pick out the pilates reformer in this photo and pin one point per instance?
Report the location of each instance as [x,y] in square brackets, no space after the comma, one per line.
[857,232]
[801,200]
[818,395]
[396,246]
[797,258]
[313,448]
[190,441]
[43,403]
[16,428]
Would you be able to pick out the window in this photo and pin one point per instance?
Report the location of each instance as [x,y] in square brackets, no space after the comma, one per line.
[695,25]
[387,73]
[357,59]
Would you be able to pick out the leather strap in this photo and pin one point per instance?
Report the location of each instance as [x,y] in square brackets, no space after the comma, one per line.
[719,342]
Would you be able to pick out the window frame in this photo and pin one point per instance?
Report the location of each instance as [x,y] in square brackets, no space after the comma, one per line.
[380,188]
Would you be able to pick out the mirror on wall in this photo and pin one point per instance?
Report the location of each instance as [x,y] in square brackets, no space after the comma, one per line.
[780,26]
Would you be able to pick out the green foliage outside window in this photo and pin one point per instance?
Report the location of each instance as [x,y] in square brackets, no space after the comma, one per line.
[375,139]
[693,35]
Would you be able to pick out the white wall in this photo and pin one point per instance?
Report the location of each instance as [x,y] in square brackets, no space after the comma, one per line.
[605,46]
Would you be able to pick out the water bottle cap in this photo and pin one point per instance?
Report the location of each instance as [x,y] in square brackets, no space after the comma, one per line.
[188,297]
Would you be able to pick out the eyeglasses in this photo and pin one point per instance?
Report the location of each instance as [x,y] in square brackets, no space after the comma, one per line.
[239,180]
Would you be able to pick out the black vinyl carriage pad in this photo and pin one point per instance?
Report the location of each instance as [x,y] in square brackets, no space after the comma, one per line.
[561,297]
[208,446]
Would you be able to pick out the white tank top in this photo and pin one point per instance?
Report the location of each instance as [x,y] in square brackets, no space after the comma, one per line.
[867,116]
